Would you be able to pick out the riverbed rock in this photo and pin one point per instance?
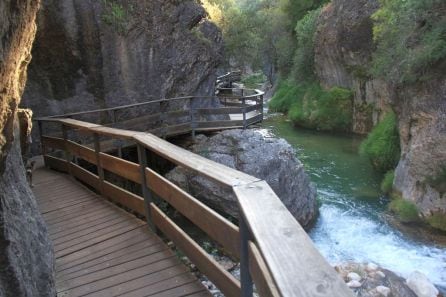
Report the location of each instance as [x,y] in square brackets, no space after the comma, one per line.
[421,285]
[374,283]
[26,256]
[267,158]
[353,276]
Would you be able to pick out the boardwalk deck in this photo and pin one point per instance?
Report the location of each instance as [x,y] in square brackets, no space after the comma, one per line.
[101,250]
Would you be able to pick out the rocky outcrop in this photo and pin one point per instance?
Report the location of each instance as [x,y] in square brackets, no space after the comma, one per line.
[26,259]
[93,54]
[343,51]
[270,159]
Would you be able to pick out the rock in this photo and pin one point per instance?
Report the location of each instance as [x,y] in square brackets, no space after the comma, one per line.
[249,152]
[354,284]
[26,256]
[381,274]
[371,267]
[158,49]
[384,291]
[421,285]
[353,276]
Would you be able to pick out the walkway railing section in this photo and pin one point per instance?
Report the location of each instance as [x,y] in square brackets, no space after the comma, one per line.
[275,252]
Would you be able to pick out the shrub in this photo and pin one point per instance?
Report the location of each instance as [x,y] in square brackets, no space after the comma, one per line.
[438,181]
[387,182]
[437,220]
[117,15]
[406,211]
[303,68]
[324,110]
[410,37]
[382,145]
[254,80]
[285,96]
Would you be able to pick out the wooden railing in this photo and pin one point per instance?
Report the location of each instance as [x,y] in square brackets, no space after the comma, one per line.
[229,78]
[274,251]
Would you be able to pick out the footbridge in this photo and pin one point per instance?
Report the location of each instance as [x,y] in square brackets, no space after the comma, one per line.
[106,209]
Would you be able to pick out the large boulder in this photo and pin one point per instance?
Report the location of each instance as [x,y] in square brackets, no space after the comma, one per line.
[269,159]
[26,256]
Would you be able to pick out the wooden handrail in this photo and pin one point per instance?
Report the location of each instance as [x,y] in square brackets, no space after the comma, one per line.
[289,260]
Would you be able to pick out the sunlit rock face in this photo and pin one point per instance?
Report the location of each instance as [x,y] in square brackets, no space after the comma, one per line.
[85,57]
[343,49]
[26,257]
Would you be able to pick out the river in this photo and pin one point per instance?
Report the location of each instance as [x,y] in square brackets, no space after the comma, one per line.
[351,225]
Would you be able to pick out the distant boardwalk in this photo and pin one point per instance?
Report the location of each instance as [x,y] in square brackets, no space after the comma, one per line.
[101,250]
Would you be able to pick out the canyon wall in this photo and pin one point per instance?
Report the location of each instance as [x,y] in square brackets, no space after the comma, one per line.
[26,257]
[93,54]
[343,51]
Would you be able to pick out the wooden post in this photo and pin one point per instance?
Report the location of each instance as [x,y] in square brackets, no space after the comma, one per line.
[261,106]
[97,149]
[147,194]
[42,146]
[244,112]
[67,153]
[192,117]
[245,276]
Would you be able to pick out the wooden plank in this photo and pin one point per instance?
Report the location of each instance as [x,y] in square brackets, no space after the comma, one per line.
[56,163]
[123,197]
[82,152]
[259,272]
[121,167]
[213,124]
[213,224]
[200,165]
[53,142]
[85,176]
[220,110]
[178,129]
[182,290]
[177,114]
[102,261]
[113,132]
[253,107]
[124,271]
[306,272]
[205,263]
[255,119]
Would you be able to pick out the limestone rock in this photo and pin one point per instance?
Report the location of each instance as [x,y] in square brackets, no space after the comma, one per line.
[26,257]
[353,276]
[157,49]
[354,284]
[384,291]
[270,159]
[421,285]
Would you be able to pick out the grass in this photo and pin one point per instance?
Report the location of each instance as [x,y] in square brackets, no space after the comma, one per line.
[406,211]
[387,183]
[437,220]
[253,81]
[382,146]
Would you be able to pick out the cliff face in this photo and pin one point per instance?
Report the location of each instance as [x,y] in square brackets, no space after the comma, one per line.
[344,45]
[26,256]
[93,54]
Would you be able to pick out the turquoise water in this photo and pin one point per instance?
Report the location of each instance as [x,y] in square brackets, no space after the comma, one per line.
[351,225]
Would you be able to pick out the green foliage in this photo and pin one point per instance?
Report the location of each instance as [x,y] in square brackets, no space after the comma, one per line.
[200,36]
[253,81]
[303,63]
[406,211]
[117,15]
[308,105]
[410,37]
[387,182]
[324,110]
[285,96]
[437,220]
[382,145]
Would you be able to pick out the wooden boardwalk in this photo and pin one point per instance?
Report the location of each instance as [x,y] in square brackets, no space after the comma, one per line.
[101,250]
